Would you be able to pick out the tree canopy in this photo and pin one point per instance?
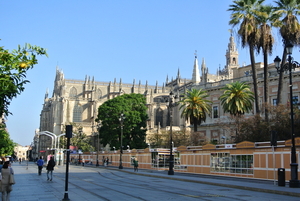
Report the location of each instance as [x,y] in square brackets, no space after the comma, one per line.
[133,107]
[6,144]
[13,68]
[237,98]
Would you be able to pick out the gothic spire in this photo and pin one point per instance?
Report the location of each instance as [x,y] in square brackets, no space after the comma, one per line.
[196,75]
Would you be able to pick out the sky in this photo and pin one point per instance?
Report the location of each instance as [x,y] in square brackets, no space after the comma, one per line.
[117,39]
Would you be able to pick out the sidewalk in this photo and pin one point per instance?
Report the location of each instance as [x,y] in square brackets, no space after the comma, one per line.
[31,187]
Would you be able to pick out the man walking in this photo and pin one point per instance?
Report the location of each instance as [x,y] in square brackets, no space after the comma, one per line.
[50,168]
[40,164]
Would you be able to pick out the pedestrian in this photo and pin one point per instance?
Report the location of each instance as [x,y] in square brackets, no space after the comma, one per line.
[103,160]
[40,164]
[6,187]
[50,168]
[135,164]
[1,164]
[107,161]
[20,160]
[83,161]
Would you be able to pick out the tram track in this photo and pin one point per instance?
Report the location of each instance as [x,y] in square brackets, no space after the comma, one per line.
[175,190]
[81,186]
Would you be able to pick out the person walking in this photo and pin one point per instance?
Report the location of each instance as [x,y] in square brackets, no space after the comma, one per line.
[6,187]
[50,168]
[40,164]
[136,164]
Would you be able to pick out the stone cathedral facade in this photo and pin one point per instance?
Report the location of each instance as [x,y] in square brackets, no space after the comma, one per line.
[77,100]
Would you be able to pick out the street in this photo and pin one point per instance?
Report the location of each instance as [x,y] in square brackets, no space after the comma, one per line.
[90,183]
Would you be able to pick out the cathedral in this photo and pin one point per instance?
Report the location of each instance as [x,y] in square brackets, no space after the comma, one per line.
[77,101]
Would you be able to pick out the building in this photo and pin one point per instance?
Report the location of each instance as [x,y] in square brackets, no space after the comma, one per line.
[21,152]
[77,101]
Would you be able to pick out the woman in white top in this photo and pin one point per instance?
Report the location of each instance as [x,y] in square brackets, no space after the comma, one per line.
[6,187]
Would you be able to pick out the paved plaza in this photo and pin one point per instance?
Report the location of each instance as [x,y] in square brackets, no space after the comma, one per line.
[29,186]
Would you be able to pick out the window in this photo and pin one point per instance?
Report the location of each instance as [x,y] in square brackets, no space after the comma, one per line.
[242,164]
[77,112]
[73,92]
[274,102]
[295,100]
[159,117]
[224,162]
[99,94]
[215,112]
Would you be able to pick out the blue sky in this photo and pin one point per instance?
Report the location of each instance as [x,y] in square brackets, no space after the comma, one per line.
[128,39]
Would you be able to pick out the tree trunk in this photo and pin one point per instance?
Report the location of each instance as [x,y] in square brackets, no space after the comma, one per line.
[266,85]
[254,77]
[195,124]
[280,80]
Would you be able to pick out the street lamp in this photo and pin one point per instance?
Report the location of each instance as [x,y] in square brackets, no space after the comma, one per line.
[294,182]
[99,127]
[121,119]
[171,105]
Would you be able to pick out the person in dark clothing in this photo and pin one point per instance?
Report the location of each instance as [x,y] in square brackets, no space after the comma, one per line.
[40,164]
[136,165]
[50,168]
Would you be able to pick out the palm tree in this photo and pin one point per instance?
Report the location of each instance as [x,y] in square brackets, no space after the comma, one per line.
[243,14]
[289,30]
[237,98]
[195,106]
[265,16]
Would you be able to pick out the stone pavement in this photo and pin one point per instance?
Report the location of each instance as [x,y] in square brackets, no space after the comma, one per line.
[31,187]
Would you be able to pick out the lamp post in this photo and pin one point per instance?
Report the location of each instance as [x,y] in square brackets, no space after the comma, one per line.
[294,182]
[121,119]
[99,127]
[171,105]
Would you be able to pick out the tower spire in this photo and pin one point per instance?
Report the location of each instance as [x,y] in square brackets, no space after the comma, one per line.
[196,75]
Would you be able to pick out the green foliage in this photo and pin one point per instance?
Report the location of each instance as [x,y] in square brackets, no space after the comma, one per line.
[162,139]
[256,129]
[6,144]
[237,98]
[133,106]
[287,10]
[79,140]
[13,68]
[195,106]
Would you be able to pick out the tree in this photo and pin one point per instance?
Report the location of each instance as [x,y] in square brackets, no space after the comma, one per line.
[79,140]
[133,106]
[13,68]
[289,30]
[195,106]
[6,144]
[265,17]
[243,14]
[255,129]
[237,98]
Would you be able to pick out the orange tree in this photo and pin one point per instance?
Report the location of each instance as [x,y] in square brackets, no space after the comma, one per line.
[13,67]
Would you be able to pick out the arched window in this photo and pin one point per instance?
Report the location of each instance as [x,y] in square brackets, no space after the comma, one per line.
[159,116]
[99,94]
[73,92]
[233,60]
[77,113]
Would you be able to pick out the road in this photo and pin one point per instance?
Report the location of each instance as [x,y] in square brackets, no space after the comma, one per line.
[88,183]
